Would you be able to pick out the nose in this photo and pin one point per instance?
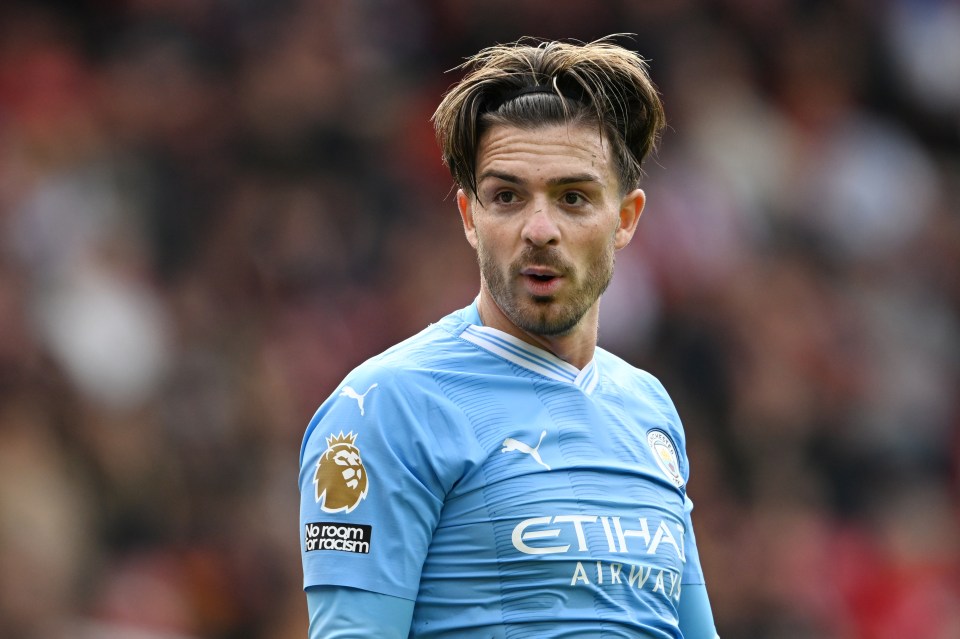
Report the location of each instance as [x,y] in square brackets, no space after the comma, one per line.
[540,228]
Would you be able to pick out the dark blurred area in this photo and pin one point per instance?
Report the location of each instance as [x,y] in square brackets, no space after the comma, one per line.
[210,210]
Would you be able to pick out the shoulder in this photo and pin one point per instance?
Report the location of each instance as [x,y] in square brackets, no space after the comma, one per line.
[628,378]
[407,360]
[415,363]
[402,386]
[640,390]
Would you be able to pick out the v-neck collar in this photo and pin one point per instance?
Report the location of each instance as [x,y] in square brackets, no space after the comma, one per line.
[531,357]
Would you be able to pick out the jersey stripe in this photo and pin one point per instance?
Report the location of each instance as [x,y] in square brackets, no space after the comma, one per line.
[531,358]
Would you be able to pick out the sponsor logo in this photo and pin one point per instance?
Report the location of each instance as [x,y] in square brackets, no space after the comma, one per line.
[665,454]
[666,583]
[618,554]
[348,391]
[327,535]
[341,478]
[533,536]
[510,445]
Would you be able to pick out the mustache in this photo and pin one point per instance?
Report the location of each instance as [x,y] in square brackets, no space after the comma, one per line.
[540,256]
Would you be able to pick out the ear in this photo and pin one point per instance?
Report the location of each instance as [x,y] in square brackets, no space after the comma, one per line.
[631,207]
[465,203]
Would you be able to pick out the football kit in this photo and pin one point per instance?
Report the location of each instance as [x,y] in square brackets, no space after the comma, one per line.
[505,492]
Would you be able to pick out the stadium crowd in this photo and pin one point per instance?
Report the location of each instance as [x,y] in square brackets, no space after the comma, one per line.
[210,210]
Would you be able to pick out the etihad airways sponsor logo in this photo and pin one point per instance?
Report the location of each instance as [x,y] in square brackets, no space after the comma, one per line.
[636,536]
[602,573]
[640,537]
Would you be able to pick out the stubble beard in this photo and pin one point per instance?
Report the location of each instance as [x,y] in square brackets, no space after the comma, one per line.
[546,315]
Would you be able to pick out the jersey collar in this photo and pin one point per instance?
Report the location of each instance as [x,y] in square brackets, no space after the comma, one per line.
[531,358]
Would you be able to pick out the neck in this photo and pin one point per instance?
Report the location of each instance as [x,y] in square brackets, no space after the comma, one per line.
[575,347]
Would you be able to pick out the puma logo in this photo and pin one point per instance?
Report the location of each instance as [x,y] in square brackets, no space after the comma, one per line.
[352,394]
[510,444]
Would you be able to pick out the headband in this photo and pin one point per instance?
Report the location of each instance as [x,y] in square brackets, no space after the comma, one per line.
[509,96]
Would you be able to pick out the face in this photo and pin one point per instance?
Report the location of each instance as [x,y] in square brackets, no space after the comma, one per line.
[547,221]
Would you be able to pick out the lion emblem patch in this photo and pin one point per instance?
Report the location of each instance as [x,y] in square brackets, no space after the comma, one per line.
[341,478]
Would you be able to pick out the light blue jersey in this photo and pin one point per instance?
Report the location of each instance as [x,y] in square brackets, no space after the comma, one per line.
[507,493]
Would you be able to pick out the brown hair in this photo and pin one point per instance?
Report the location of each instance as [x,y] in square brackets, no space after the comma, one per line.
[530,83]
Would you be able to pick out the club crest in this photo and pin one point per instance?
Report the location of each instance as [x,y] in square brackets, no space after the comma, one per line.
[665,454]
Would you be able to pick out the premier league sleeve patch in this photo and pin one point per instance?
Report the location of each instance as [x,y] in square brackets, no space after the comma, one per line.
[340,478]
[665,454]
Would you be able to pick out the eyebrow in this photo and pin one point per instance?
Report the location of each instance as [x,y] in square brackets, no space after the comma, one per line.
[558,181]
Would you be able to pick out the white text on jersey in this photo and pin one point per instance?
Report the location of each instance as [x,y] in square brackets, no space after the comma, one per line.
[616,534]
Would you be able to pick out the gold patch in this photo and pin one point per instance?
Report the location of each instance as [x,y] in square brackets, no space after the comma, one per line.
[341,478]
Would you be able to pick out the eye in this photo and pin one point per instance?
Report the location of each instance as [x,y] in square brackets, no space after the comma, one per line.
[505,197]
[346,458]
[573,198]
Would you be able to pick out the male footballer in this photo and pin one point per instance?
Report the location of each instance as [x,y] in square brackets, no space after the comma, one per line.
[498,475]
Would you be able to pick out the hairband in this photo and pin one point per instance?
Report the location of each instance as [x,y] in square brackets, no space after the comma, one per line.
[509,96]
[537,88]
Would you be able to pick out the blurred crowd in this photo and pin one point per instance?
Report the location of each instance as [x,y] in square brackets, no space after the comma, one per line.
[210,210]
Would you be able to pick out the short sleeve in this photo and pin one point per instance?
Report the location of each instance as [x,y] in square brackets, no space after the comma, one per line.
[692,571]
[348,613]
[370,491]
[696,616]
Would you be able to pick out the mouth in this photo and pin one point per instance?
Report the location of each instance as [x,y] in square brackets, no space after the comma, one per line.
[539,272]
[540,281]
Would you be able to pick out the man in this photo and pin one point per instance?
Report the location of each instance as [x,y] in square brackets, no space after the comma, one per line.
[498,474]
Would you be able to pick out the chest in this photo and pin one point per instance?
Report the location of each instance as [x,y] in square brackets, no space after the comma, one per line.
[560,474]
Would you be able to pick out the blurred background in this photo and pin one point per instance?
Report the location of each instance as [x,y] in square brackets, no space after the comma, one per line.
[210,210]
